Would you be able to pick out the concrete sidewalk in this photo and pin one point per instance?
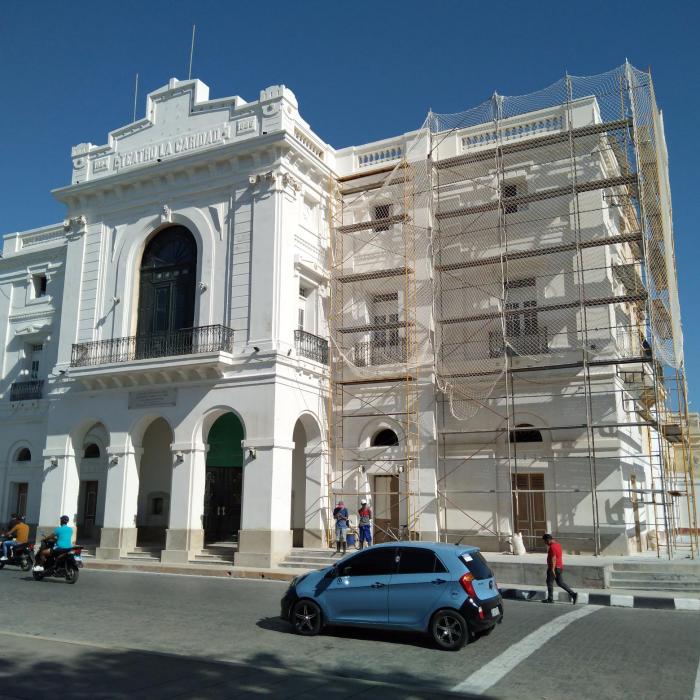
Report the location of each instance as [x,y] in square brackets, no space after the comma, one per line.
[657,600]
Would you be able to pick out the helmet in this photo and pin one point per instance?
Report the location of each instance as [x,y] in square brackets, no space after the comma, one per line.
[363,502]
[64,519]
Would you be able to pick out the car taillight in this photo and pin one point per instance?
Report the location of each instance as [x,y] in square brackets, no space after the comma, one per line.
[466,583]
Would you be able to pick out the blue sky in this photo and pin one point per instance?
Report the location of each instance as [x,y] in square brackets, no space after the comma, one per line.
[361,71]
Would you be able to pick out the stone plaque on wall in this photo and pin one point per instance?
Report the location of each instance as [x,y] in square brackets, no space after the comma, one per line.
[153,397]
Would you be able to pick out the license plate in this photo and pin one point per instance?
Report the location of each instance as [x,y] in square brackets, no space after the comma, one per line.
[495,612]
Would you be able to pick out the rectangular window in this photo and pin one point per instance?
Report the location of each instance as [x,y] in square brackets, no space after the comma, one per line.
[301,319]
[510,190]
[34,371]
[39,283]
[382,211]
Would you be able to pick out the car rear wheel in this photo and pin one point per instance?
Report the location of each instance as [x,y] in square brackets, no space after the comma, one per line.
[306,618]
[449,630]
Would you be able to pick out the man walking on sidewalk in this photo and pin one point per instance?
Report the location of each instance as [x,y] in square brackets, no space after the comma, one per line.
[555,563]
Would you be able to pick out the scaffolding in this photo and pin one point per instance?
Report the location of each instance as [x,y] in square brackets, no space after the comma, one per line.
[558,345]
[503,302]
[378,263]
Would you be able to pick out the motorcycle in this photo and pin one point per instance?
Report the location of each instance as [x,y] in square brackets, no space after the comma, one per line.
[66,564]
[22,555]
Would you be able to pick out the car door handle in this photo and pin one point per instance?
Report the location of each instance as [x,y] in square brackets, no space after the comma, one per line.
[378,584]
[438,581]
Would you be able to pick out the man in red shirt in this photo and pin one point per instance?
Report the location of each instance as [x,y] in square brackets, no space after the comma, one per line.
[555,563]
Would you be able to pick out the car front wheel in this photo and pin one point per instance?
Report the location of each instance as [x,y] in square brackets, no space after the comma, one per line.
[449,630]
[306,618]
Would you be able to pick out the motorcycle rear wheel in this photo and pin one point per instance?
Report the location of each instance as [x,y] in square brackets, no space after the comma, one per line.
[25,564]
[38,575]
[71,574]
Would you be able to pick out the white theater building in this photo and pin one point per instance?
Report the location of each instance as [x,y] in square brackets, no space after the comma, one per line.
[164,349]
[203,216]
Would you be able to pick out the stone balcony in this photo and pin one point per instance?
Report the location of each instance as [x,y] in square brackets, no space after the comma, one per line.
[189,353]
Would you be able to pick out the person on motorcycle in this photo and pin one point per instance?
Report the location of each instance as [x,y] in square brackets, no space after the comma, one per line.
[62,541]
[19,534]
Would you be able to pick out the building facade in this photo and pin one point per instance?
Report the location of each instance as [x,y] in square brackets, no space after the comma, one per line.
[167,377]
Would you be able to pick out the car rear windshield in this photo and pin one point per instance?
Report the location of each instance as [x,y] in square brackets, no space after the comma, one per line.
[477,565]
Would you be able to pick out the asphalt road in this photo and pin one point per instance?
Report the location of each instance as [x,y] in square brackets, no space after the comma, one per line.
[116,635]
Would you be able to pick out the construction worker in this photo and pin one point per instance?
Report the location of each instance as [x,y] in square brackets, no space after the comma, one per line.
[365,523]
[341,515]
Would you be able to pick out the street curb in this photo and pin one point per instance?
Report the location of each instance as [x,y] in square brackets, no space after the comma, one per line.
[615,600]
[185,570]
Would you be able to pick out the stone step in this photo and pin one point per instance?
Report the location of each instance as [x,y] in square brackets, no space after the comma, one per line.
[634,584]
[309,557]
[659,566]
[657,577]
[142,555]
[207,558]
[295,565]
[318,563]
[211,562]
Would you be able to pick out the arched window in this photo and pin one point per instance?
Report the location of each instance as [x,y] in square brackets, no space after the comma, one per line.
[92,451]
[167,283]
[385,438]
[522,434]
[24,455]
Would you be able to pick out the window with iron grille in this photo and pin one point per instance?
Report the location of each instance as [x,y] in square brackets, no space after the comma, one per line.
[382,211]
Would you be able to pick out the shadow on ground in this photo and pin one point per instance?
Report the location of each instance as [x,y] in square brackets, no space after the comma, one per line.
[77,672]
[277,624]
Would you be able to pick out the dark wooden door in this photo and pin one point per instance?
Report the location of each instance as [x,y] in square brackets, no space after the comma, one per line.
[21,504]
[166,294]
[222,504]
[529,508]
[386,508]
[87,524]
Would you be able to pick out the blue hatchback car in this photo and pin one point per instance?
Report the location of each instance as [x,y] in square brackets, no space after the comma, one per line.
[446,590]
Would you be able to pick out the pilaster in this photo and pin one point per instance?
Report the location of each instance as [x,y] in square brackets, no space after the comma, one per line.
[185,534]
[118,536]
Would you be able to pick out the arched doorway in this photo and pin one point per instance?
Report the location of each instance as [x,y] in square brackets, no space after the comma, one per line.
[307,477]
[155,479]
[166,291]
[224,480]
[92,470]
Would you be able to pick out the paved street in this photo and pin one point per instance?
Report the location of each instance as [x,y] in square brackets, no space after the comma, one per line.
[216,638]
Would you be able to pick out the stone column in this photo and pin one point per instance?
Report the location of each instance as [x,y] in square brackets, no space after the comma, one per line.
[185,535]
[59,491]
[119,531]
[265,538]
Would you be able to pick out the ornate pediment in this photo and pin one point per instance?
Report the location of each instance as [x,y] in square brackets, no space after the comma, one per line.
[181,120]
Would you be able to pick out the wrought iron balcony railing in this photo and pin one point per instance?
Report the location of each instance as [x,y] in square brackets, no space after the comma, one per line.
[311,346]
[526,344]
[186,341]
[26,391]
[374,353]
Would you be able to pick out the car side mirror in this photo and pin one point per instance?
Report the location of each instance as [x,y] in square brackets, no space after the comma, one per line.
[346,570]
